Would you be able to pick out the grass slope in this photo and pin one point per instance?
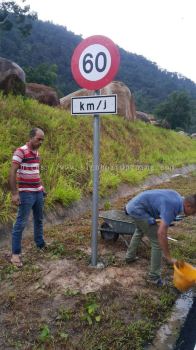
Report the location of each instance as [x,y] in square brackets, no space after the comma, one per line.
[129,152]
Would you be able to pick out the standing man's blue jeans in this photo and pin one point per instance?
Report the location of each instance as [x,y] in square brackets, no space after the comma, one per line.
[34,201]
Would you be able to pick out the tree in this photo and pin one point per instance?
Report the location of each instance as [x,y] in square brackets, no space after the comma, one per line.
[12,14]
[42,74]
[176,110]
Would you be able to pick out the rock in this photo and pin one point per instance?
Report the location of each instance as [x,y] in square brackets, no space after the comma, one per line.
[193,136]
[143,117]
[42,93]
[148,118]
[181,132]
[125,100]
[162,123]
[12,77]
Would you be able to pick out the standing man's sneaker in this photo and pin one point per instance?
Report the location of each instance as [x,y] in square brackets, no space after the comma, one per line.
[131,260]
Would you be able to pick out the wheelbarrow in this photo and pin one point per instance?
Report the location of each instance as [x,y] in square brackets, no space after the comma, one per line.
[117,224]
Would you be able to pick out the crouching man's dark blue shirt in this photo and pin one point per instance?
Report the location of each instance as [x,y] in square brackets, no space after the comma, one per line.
[155,204]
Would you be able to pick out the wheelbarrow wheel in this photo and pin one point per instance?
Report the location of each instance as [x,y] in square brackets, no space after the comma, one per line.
[107,233]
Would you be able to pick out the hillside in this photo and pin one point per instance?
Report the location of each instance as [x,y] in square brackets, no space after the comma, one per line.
[129,151]
[54,44]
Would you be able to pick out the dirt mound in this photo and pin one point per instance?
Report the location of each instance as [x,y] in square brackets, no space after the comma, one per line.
[66,275]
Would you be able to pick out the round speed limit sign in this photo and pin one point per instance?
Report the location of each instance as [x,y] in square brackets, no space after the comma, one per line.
[95,62]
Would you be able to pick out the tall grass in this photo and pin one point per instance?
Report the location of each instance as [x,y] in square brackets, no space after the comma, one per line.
[129,152]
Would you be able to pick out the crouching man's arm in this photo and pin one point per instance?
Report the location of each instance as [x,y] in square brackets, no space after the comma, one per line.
[163,241]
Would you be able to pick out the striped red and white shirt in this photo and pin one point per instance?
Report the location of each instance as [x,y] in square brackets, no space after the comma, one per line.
[28,175]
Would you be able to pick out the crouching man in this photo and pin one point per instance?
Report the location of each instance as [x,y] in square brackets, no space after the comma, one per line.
[145,208]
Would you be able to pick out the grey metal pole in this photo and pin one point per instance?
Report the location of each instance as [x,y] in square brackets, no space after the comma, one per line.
[96,136]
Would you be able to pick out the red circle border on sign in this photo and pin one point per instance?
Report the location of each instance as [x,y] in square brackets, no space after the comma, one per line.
[115,61]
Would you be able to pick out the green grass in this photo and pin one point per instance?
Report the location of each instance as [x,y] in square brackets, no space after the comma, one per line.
[129,152]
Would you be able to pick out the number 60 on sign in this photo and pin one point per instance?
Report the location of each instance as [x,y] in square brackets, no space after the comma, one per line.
[95,62]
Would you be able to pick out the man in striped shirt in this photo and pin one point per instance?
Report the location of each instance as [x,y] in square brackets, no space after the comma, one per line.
[27,192]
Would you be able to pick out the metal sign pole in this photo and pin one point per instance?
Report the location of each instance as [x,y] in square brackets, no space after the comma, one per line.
[96,136]
[94,64]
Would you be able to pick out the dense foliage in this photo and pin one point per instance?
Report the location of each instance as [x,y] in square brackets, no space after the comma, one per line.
[13,15]
[176,110]
[42,74]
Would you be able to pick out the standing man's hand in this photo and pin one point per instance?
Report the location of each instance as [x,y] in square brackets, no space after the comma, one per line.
[12,182]
[15,199]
